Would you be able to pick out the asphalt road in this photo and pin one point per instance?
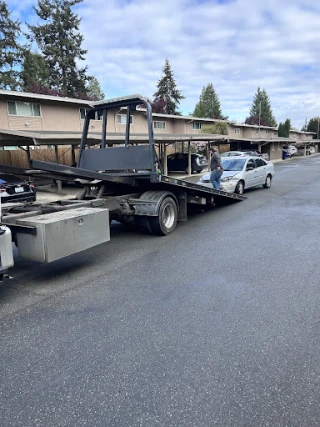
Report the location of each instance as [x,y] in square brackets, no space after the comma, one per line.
[214,325]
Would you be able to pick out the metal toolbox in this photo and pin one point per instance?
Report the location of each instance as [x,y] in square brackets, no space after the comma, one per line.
[64,233]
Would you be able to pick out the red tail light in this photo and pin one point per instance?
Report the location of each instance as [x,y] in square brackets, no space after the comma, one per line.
[31,185]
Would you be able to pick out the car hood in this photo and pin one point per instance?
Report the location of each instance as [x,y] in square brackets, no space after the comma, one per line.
[225,174]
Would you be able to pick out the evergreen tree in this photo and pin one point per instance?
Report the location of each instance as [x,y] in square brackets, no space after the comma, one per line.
[167,90]
[209,104]
[284,129]
[314,126]
[60,43]
[305,126]
[287,127]
[94,90]
[261,108]
[10,51]
[34,71]
[281,130]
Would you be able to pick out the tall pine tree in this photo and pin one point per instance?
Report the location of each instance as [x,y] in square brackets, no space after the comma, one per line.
[60,43]
[94,91]
[34,71]
[10,51]
[261,109]
[287,127]
[284,129]
[314,126]
[209,104]
[281,130]
[167,91]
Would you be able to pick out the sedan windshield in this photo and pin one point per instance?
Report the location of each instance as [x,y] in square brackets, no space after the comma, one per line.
[233,164]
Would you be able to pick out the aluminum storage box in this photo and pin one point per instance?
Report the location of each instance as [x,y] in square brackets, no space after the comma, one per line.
[64,233]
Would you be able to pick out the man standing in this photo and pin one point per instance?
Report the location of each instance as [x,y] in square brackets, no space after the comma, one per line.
[216,168]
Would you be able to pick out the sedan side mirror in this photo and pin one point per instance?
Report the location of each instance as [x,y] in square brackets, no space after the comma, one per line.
[250,168]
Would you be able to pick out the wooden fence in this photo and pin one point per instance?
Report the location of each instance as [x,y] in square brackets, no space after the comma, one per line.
[19,157]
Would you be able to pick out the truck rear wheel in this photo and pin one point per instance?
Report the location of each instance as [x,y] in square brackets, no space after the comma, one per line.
[166,221]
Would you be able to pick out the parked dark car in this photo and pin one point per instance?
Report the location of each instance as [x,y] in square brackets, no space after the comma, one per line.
[178,162]
[14,189]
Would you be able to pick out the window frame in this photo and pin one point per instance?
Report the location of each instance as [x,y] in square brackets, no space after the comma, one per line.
[96,117]
[196,123]
[158,122]
[237,131]
[32,104]
[125,122]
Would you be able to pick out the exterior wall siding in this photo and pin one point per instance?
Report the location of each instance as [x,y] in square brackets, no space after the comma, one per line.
[181,126]
[24,123]
[60,117]
[3,115]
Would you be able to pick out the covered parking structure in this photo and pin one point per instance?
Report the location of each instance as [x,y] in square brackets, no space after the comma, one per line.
[26,140]
[271,146]
[302,146]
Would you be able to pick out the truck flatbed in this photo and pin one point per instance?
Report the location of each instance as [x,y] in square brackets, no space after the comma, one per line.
[143,180]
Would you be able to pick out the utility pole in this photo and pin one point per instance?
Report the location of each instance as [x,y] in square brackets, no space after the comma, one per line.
[318,128]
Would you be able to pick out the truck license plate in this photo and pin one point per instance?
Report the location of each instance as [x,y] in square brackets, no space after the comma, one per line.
[19,189]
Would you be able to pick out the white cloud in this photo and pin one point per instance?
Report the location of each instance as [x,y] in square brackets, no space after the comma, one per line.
[237,45]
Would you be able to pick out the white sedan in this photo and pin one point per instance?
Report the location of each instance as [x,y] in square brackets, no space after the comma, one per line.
[242,173]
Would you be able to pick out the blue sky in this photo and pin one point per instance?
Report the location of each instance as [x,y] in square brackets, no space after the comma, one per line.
[237,45]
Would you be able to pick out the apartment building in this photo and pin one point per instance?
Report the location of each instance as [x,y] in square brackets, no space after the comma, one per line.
[28,119]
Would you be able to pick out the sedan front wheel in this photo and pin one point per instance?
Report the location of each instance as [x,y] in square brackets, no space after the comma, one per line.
[239,188]
[267,184]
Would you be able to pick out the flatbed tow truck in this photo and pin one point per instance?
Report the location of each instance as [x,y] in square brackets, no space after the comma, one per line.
[122,181]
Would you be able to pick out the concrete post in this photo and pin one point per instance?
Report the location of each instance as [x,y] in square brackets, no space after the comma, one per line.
[189,158]
[165,160]
[59,182]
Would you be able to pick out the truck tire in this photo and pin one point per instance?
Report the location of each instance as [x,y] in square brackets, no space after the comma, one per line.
[166,221]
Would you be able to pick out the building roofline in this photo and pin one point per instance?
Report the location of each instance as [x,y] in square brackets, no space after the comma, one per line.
[191,118]
[29,95]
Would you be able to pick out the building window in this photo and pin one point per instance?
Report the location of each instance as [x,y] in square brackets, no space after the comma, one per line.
[159,125]
[84,111]
[122,119]
[237,130]
[26,109]
[196,126]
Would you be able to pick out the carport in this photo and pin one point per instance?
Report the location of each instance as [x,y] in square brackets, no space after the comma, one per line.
[303,145]
[272,146]
[25,140]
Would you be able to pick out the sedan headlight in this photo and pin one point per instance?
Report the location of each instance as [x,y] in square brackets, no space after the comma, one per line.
[227,178]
